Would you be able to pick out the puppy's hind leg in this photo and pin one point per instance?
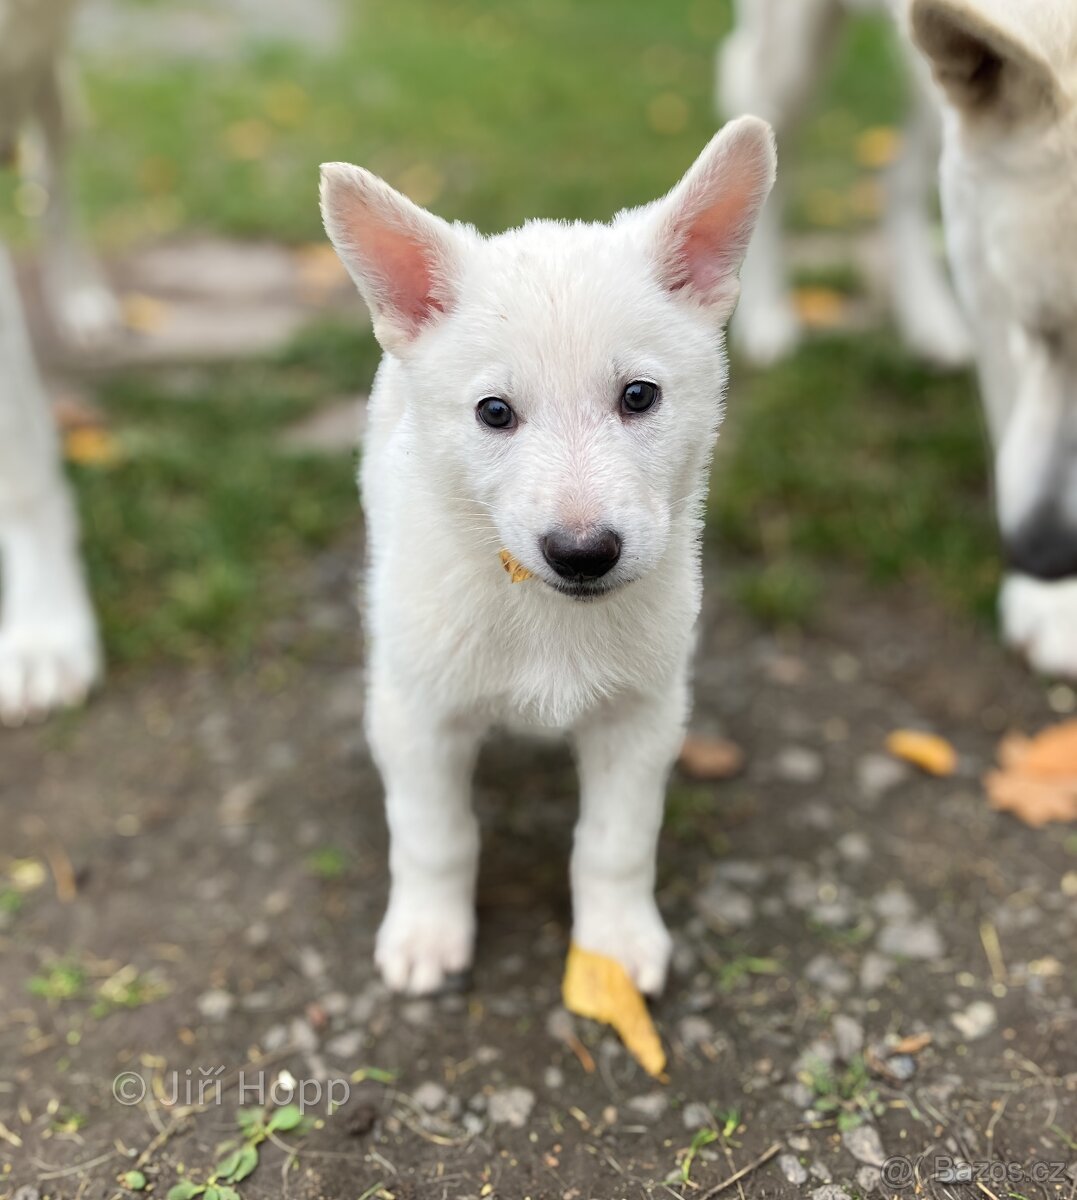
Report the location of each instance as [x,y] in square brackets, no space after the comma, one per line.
[426,762]
[625,754]
[925,307]
[768,66]
[80,300]
[49,655]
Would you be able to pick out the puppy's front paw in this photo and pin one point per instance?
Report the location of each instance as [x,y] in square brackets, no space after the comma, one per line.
[423,942]
[1040,620]
[46,667]
[633,934]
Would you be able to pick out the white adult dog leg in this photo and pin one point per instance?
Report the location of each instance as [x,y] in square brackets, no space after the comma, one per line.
[426,763]
[768,66]
[1040,620]
[625,754]
[925,307]
[80,300]
[49,653]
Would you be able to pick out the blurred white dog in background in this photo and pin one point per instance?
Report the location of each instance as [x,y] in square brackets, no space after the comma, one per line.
[49,652]
[1006,75]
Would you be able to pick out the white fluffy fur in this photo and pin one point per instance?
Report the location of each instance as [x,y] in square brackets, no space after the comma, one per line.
[1007,71]
[556,318]
[48,642]
[770,64]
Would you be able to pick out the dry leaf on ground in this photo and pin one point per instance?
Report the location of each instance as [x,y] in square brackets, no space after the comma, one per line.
[709,758]
[599,988]
[927,751]
[91,446]
[516,571]
[1037,777]
[819,307]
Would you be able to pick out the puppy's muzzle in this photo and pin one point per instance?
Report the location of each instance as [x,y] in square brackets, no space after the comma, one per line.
[581,558]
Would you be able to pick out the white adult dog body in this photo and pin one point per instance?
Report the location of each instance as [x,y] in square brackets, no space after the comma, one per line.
[49,654]
[1007,71]
[1006,76]
[557,324]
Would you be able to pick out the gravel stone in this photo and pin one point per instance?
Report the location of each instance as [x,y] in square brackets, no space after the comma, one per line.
[827,973]
[311,962]
[875,970]
[696,1115]
[911,939]
[829,1191]
[553,1078]
[792,1168]
[740,871]
[868,1179]
[430,1096]
[864,1145]
[854,847]
[345,1045]
[848,1037]
[695,1030]
[725,905]
[877,774]
[798,764]
[650,1106]
[894,904]
[975,1021]
[216,1004]
[511,1106]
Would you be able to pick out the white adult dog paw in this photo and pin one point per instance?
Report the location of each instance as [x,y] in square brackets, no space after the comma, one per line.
[46,667]
[88,316]
[1040,620]
[766,334]
[633,934]
[423,942]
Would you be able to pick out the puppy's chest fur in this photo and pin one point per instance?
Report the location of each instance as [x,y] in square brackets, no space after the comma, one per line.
[519,654]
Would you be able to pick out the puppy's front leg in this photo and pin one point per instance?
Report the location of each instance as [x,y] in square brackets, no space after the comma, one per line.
[625,754]
[426,762]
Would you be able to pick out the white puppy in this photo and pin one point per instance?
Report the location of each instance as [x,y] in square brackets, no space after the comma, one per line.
[555,391]
[49,653]
[1007,70]
[769,64]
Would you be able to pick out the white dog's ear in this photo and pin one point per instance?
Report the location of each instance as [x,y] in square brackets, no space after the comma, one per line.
[403,259]
[986,68]
[702,228]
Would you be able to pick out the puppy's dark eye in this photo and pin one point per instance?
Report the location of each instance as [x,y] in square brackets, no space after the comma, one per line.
[639,396]
[495,413]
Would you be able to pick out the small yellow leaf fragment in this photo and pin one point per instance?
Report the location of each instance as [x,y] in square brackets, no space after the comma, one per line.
[1037,779]
[91,446]
[599,988]
[144,314]
[878,146]
[820,307]
[707,758]
[927,751]
[517,573]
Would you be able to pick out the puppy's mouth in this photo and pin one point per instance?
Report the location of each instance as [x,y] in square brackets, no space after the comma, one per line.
[586,590]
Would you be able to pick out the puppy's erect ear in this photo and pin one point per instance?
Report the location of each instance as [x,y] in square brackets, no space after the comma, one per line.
[702,228]
[984,63]
[403,259]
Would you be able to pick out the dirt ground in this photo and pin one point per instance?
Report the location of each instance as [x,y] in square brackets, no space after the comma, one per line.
[214,854]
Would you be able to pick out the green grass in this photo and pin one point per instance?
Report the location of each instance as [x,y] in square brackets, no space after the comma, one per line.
[192,536]
[491,113]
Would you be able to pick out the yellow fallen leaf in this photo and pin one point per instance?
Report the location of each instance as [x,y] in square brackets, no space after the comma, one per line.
[517,572]
[599,988]
[91,446]
[819,307]
[1037,779]
[708,758]
[144,314]
[927,751]
[878,146]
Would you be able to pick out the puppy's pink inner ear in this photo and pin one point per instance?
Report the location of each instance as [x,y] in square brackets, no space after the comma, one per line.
[404,266]
[710,243]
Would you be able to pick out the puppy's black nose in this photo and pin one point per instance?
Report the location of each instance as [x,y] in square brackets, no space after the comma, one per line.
[587,556]
[1044,547]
